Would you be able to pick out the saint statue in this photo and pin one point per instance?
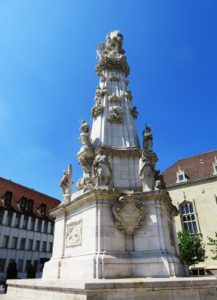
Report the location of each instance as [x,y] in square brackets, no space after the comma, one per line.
[147,139]
[102,168]
[66,182]
[146,173]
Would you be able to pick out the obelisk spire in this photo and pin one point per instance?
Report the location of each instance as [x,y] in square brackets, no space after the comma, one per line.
[113,115]
[110,156]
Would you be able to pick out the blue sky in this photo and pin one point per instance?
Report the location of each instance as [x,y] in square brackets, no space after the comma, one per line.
[47,79]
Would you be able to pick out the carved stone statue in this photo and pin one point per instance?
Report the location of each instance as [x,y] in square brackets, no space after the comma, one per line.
[147,139]
[134,112]
[85,183]
[146,173]
[85,155]
[80,184]
[115,114]
[85,134]
[159,181]
[102,168]
[66,183]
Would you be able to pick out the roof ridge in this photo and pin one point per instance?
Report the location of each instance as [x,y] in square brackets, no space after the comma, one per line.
[27,188]
[201,154]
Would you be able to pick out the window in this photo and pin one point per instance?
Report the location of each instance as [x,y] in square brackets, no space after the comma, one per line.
[50,247]
[25,222]
[215,166]
[181,176]
[7,199]
[44,246]
[52,228]
[1,216]
[23,203]
[2,265]
[9,218]
[28,263]
[5,241]
[30,244]
[45,227]
[36,265]
[20,265]
[37,245]
[39,225]
[42,209]
[197,272]
[32,224]
[188,218]
[17,221]
[22,243]
[14,243]
[42,262]
[29,206]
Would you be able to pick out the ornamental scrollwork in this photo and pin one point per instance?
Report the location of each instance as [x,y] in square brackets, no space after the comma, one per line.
[129,213]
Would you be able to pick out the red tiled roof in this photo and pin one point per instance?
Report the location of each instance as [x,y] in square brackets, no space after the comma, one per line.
[195,167]
[20,191]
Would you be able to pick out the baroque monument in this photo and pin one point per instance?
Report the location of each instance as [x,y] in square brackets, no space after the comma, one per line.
[115,237]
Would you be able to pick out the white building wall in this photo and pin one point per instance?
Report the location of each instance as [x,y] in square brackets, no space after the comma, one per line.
[18,254]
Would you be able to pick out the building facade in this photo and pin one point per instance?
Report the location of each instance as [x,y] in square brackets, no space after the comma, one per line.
[26,229]
[192,184]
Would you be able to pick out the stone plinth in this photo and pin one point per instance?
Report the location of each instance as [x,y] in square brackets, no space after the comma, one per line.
[106,233]
[114,289]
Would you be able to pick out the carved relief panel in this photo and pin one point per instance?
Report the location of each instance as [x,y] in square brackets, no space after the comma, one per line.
[74,234]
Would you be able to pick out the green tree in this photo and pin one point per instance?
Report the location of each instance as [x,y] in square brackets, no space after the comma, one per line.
[31,271]
[192,248]
[11,272]
[213,242]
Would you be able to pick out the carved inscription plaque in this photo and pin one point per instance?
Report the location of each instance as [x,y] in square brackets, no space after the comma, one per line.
[74,234]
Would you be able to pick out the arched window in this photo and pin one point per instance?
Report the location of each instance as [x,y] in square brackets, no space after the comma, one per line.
[188,217]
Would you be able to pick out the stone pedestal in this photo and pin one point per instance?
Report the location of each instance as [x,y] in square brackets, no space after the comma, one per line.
[113,289]
[94,234]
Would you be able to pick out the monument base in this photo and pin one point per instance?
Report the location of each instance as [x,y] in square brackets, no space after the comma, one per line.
[189,288]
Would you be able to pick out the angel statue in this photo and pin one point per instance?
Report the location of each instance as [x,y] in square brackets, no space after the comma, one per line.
[66,183]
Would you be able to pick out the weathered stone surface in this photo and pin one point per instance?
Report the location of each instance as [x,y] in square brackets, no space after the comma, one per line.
[132,289]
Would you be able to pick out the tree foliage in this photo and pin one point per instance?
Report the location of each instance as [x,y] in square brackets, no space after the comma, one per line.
[11,272]
[192,248]
[213,242]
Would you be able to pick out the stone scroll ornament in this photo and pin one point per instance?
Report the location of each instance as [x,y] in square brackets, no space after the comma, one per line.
[129,214]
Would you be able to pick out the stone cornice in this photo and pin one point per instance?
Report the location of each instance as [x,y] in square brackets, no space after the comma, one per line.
[108,194]
[122,151]
[188,183]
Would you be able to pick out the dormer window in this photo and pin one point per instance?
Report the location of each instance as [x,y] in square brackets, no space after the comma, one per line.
[180,175]
[30,206]
[7,199]
[42,209]
[23,203]
[215,166]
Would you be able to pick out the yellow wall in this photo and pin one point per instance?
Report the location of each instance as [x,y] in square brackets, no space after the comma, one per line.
[203,194]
